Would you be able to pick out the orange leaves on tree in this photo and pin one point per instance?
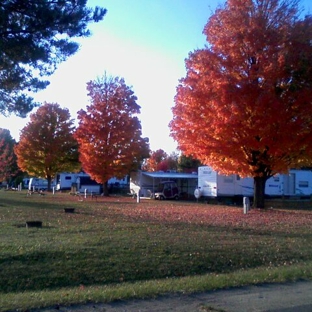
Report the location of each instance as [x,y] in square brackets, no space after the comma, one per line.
[7,157]
[109,131]
[47,145]
[244,106]
[157,161]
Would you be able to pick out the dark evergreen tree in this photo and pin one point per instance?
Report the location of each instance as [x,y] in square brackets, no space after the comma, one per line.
[35,36]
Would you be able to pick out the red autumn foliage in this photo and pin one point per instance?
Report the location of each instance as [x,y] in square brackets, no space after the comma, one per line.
[244,106]
[47,145]
[157,161]
[7,156]
[109,131]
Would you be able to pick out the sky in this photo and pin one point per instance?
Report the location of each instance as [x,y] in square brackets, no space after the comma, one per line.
[145,42]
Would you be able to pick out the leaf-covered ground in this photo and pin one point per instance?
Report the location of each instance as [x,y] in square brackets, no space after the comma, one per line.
[216,215]
[113,240]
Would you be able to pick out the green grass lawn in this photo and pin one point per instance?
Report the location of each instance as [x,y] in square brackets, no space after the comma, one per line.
[113,248]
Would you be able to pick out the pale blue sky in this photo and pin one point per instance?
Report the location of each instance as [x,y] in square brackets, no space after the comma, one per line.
[143,41]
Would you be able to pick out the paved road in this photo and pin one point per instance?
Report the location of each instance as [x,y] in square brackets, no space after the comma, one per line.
[289,297]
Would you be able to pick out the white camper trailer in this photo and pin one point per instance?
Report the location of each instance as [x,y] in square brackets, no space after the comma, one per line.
[295,183]
[65,180]
[82,181]
[35,184]
[213,184]
[274,186]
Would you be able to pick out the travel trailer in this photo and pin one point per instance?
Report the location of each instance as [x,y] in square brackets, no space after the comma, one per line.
[65,180]
[62,181]
[296,183]
[81,181]
[213,184]
[36,184]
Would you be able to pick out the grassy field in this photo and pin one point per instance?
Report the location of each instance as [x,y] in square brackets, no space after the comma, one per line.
[113,248]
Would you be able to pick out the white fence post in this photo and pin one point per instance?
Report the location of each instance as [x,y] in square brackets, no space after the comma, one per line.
[246,202]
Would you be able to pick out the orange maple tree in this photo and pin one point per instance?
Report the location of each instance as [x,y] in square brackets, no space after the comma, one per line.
[47,145]
[245,104]
[8,166]
[156,160]
[109,131]
[159,160]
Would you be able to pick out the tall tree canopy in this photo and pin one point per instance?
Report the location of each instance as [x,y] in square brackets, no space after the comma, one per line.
[109,131]
[47,145]
[245,104]
[8,167]
[188,164]
[155,161]
[159,160]
[34,37]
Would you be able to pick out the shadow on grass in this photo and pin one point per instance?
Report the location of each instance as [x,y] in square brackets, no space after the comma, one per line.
[100,246]
[105,263]
[26,202]
[50,201]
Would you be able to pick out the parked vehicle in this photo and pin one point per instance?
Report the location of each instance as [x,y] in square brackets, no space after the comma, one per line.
[65,180]
[212,184]
[296,183]
[167,190]
[81,181]
[35,184]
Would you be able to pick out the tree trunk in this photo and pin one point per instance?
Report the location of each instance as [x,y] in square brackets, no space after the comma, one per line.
[49,182]
[259,192]
[105,189]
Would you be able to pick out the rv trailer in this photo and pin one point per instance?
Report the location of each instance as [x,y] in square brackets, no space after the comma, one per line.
[65,180]
[213,184]
[82,182]
[36,184]
[297,182]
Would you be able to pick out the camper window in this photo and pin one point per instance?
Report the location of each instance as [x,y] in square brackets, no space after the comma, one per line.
[228,179]
[68,178]
[303,183]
